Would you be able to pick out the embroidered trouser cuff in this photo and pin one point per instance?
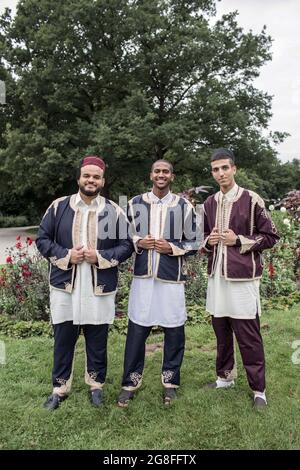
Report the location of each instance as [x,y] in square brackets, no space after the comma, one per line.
[65,338]
[135,355]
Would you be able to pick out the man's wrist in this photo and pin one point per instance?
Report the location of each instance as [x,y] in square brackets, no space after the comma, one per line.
[238,241]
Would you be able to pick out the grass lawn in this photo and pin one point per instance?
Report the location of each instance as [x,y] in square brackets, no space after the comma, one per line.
[216,419]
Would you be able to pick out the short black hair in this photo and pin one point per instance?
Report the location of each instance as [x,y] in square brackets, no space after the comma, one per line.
[222,153]
[161,160]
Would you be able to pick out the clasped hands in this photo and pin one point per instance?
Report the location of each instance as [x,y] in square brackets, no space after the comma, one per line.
[150,243]
[228,237]
[81,253]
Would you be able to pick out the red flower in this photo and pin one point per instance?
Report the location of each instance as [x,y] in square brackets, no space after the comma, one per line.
[19,245]
[18,237]
[298,251]
[18,286]
[271,271]
[26,273]
[9,260]
[29,241]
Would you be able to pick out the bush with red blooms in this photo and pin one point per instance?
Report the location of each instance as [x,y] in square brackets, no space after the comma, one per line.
[24,290]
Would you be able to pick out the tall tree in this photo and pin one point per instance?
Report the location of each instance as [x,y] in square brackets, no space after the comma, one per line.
[133,80]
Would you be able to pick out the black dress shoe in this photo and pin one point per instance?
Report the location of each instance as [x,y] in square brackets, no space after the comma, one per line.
[53,401]
[96,397]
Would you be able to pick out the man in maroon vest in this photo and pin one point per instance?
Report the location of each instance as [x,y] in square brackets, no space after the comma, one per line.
[237,230]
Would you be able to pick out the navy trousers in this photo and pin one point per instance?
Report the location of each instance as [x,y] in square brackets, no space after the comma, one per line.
[135,349]
[65,338]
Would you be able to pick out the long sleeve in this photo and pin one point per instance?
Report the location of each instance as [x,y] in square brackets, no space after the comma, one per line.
[192,233]
[123,249]
[57,255]
[264,231]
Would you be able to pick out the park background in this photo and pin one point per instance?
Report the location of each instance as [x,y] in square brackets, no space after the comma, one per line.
[135,81]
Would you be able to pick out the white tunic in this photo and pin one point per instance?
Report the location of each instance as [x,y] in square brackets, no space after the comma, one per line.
[153,302]
[235,299]
[82,306]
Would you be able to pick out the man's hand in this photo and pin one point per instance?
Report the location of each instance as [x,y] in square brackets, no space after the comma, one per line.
[90,255]
[77,255]
[228,237]
[146,243]
[214,237]
[162,246]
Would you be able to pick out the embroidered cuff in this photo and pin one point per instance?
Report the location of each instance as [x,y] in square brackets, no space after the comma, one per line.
[90,379]
[205,246]
[61,263]
[176,251]
[104,263]
[135,240]
[246,244]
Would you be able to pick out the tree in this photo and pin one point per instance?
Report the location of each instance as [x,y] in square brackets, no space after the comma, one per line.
[133,80]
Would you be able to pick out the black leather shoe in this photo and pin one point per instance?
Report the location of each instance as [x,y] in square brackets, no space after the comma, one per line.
[53,401]
[96,397]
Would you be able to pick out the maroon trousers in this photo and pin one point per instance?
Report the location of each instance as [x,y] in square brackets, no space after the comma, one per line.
[250,343]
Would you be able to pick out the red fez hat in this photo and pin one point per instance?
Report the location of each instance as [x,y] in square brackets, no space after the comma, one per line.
[93,160]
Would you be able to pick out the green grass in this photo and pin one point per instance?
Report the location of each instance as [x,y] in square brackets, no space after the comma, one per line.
[217,419]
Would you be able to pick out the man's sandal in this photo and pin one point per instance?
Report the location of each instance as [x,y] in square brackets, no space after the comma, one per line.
[169,395]
[124,397]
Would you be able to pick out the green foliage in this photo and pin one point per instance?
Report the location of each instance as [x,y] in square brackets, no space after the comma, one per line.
[24,293]
[24,329]
[280,275]
[157,79]
[13,221]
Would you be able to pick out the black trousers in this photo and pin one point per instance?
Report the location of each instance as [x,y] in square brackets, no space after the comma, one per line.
[65,338]
[135,349]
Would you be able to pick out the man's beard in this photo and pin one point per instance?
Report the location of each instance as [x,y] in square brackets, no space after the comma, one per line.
[89,193]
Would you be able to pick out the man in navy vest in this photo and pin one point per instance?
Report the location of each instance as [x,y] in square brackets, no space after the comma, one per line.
[84,237]
[163,231]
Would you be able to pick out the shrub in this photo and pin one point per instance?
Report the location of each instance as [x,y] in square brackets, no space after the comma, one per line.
[13,221]
[24,293]
[281,274]
[24,329]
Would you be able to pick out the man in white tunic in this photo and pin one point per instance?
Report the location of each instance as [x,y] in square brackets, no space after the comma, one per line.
[237,230]
[157,292]
[83,258]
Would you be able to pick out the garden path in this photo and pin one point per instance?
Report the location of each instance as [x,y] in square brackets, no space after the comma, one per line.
[8,239]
